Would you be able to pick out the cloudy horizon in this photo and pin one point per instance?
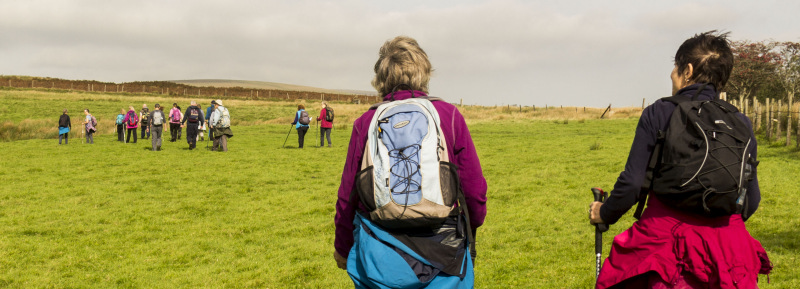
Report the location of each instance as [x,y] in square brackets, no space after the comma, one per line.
[496,52]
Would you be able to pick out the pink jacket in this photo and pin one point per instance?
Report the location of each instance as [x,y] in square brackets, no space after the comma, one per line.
[461,152]
[719,251]
[172,112]
[127,117]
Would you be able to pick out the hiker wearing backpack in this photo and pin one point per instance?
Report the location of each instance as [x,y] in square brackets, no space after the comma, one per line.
[90,126]
[194,116]
[701,153]
[174,122]
[209,110]
[156,128]
[131,123]
[64,126]
[374,219]
[120,122]
[144,121]
[326,117]
[202,128]
[301,121]
[220,127]
[180,128]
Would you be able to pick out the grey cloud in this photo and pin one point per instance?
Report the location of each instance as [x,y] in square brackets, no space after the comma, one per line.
[516,52]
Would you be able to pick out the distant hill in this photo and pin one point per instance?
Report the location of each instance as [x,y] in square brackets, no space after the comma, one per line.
[265,85]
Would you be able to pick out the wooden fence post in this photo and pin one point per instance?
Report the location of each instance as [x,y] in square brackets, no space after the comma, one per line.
[642,103]
[789,120]
[768,119]
[778,119]
[797,143]
[757,110]
[607,109]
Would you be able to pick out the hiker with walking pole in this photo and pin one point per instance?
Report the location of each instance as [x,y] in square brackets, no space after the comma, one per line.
[599,196]
[433,244]
[693,164]
[287,135]
[325,124]
[301,121]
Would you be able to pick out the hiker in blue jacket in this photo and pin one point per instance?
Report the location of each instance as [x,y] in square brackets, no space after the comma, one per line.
[209,110]
[298,123]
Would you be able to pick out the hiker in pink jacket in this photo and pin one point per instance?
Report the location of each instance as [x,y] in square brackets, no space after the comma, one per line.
[403,53]
[174,122]
[131,123]
[669,247]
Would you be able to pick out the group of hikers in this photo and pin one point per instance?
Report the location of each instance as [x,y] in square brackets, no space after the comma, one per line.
[325,122]
[412,193]
[153,123]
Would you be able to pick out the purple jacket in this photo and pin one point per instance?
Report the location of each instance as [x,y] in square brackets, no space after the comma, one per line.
[461,152]
[128,116]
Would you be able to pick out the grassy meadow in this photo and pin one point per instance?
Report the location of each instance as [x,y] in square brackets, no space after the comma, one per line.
[113,215]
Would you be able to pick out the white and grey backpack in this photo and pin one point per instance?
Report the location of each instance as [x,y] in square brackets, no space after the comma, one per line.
[406,179]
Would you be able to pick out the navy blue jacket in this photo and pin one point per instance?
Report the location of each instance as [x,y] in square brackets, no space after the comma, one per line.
[654,118]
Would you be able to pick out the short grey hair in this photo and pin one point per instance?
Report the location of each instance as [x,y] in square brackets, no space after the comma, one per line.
[401,62]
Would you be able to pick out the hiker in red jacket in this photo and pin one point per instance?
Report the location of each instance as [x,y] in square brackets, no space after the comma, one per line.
[670,247]
[325,126]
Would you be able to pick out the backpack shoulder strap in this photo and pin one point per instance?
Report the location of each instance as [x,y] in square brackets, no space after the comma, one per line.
[430,98]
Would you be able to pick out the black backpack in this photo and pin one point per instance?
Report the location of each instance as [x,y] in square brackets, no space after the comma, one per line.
[194,114]
[328,114]
[702,163]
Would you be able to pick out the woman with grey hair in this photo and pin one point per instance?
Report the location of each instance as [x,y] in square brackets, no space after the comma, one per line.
[402,72]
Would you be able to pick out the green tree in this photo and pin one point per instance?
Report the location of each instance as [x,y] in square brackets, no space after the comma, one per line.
[755,66]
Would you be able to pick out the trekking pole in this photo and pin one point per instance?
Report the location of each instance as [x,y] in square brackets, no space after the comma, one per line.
[599,196]
[287,137]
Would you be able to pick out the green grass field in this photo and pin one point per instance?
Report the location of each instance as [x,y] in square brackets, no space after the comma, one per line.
[114,215]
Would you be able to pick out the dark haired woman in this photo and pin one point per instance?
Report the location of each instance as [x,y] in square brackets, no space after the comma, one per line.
[64,125]
[667,247]
[302,129]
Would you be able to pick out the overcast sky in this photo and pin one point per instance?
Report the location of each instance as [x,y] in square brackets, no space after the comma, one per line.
[575,53]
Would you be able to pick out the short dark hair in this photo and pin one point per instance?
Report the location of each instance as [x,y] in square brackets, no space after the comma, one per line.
[300,106]
[86,109]
[711,56]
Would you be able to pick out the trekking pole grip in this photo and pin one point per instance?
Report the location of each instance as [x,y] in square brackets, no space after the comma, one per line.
[600,196]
